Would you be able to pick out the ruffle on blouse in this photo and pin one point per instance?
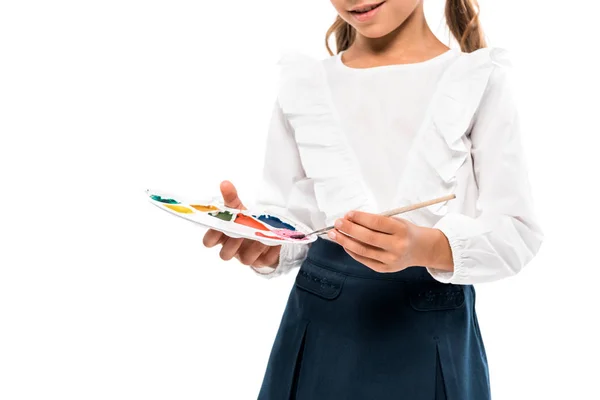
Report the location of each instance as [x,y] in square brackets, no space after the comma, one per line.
[441,147]
[326,155]
[438,151]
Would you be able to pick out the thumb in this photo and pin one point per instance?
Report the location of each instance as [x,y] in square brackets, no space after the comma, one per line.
[230,196]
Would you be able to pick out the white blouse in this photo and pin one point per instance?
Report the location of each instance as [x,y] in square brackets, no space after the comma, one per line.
[372,139]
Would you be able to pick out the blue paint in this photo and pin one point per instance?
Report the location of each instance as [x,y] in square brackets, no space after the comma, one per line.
[274,222]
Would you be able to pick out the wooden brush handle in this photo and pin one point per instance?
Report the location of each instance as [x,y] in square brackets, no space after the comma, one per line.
[398,210]
[422,204]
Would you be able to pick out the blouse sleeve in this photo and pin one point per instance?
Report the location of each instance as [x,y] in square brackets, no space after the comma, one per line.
[505,235]
[281,190]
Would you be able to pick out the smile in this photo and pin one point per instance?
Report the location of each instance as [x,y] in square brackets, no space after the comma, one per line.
[365,12]
[365,7]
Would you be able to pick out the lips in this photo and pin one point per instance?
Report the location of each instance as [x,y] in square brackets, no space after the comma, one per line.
[364,8]
[365,13]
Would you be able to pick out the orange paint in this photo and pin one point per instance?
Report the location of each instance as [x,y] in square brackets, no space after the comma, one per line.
[204,208]
[267,236]
[179,209]
[249,221]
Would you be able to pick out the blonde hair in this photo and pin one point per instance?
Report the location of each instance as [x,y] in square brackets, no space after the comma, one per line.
[462,17]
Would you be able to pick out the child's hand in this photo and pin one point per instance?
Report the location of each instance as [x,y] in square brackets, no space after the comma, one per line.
[387,244]
[247,251]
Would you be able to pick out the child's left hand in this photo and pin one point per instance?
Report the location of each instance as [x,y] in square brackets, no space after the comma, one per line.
[385,244]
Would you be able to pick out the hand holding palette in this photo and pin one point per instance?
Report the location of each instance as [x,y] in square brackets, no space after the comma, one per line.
[266,228]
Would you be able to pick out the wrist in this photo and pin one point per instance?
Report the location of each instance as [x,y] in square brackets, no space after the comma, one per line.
[434,249]
[442,253]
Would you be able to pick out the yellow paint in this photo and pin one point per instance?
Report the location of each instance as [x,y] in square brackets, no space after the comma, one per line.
[179,209]
[205,208]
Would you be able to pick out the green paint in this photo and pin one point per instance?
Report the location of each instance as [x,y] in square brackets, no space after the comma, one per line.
[224,215]
[163,200]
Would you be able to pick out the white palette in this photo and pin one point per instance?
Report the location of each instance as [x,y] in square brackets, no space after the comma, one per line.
[267,228]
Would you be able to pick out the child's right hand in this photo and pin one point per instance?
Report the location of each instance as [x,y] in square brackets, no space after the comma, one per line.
[247,251]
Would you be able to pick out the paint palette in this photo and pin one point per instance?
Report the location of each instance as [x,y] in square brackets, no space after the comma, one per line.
[266,228]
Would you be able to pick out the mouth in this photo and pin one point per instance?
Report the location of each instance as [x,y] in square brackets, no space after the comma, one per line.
[364,12]
[365,8]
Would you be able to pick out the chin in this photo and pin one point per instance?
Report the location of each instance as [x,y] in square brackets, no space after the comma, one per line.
[374,32]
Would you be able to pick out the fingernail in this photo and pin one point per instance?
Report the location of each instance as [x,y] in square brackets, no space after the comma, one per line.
[350,214]
[331,234]
[338,223]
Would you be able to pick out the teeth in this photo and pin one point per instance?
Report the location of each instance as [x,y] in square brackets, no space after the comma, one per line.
[363,10]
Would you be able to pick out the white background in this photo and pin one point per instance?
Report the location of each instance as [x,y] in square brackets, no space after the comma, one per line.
[103,296]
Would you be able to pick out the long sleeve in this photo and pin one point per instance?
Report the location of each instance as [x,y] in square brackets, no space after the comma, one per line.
[284,190]
[505,235]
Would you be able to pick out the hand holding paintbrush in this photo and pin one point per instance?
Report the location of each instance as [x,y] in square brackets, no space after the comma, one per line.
[392,244]
[388,213]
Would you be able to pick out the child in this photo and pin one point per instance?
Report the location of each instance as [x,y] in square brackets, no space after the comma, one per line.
[384,307]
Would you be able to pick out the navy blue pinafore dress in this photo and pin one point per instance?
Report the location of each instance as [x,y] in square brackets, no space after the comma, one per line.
[351,333]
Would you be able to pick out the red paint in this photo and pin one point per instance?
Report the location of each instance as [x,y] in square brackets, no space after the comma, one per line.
[249,221]
[267,236]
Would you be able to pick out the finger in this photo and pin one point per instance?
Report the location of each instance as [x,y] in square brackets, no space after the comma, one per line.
[212,238]
[362,249]
[251,251]
[230,248]
[245,244]
[366,235]
[270,257]
[373,264]
[374,222]
[230,196]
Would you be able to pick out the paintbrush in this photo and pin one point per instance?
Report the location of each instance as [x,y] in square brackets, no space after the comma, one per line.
[388,213]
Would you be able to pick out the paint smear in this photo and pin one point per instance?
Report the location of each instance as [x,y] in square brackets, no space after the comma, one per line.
[267,236]
[288,234]
[179,209]
[274,222]
[249,221]
[163,200]
[204,208]
[224,215]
